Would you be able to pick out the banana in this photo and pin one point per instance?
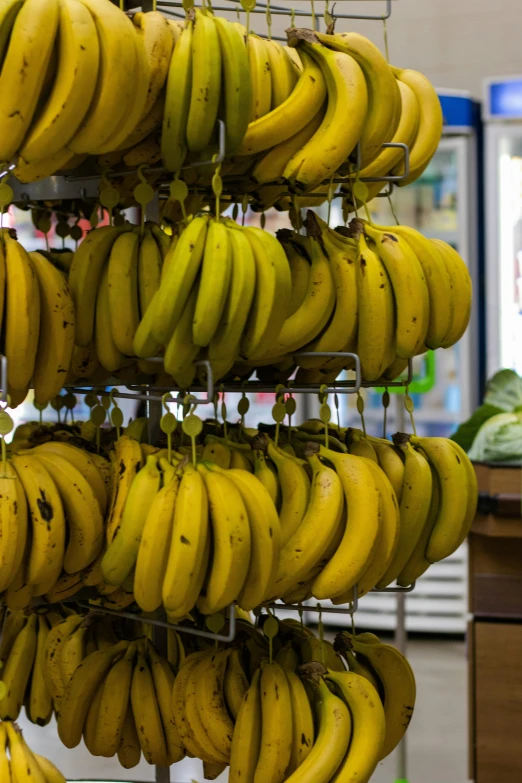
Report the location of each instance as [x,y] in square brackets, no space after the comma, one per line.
[332,741]
[48,522]
[260,78]
[110,357]
[148,126]
[359,667]
[217,453]
[207,750]
[369,726]
[24,767]
[388,537]
[18,668]
[147,713]
[282,72]
[52,774]
[300,273]
[295,492]
[353,554]
[237,89]
[155,31]
[8,16]
[91,719]
[112,708]
[56,334]
[211,702]
[452,476]
[271,128]
[268,478]
[392,465]
[231,541]
[120,557]
[80,691]
[74,85]
[127,463]
[84,519]
[206,83]
[29,50]
[276,726]
[227,337]
[11,627]
[235,684]
[13,526]
[409,287]
[398,682]
[150,262]
[123,291]
[308,321]
[462,290]
[164,683]
[239,461]
[179,278]
[406,133]
[129,752]
[320,650]
[336,138]
[360,446]
[265,532]
[151,564]
[5,763]
[163,240]
[121,86]
[302,723]
[85,274]
[246,741]
[190,537]
[52,668]
[340,333]
[84,363]
[212,770]
[308,544]
[383,98]
[65,586]
[213,284]
[272,292]
[73,651]
[414,510]
[430,126]
[472,489]
[177,101]
[179,703]
[22,317]
[375,336]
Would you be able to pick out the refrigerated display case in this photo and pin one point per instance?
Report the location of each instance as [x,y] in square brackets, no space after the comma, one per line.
[503,194]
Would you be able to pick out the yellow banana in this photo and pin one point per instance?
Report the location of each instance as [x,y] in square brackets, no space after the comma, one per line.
[120,557]
[24,767]
[369,726]
[362,669]
[112,708]
[268,478]
[462,288]
[13,525]
[17,670]
[260,76]
[336,138]
[206,83]
[177,101]
[375,336]
[352,557]
[73,651]
[80,691]
[73,88]
[237,89]
[211,702]
[155,31]
[147,713]
[123,291]
[53,647]
[235,683]
[213,284]
[302,723]
[383,97]
[276,728]
[11,627]
[56,335]
[246,741]
[85,274]
[119,89]
[110,357]
[91,719]
[151,564]
[295,492]
[29,50]
[8,16]
[179,703]
[282,72]
[231,541]
[164,683]
[414,510]
[129,752]
[22,317]
[392,465]
[150,262]
[208,751]
[127,463]
[84,519]
[308,544]
[190,535]
[48,522]
[52,774]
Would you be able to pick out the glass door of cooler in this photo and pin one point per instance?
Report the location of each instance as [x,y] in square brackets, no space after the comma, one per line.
[504,246]
[441,204]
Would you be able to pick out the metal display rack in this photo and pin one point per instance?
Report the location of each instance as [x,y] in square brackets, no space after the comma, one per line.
[85,185]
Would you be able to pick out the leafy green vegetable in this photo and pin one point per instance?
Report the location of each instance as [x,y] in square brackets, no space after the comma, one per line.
[467,431]
[499,440]
[504,390]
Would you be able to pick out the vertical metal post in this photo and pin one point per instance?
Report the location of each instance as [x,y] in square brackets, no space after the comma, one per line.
[400,627]
[160,643]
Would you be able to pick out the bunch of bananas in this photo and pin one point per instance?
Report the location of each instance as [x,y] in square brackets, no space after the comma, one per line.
[54,499]
[81,78]
[19,763]
[37,313]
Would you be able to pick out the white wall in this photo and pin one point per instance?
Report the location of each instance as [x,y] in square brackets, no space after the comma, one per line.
[456,43]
